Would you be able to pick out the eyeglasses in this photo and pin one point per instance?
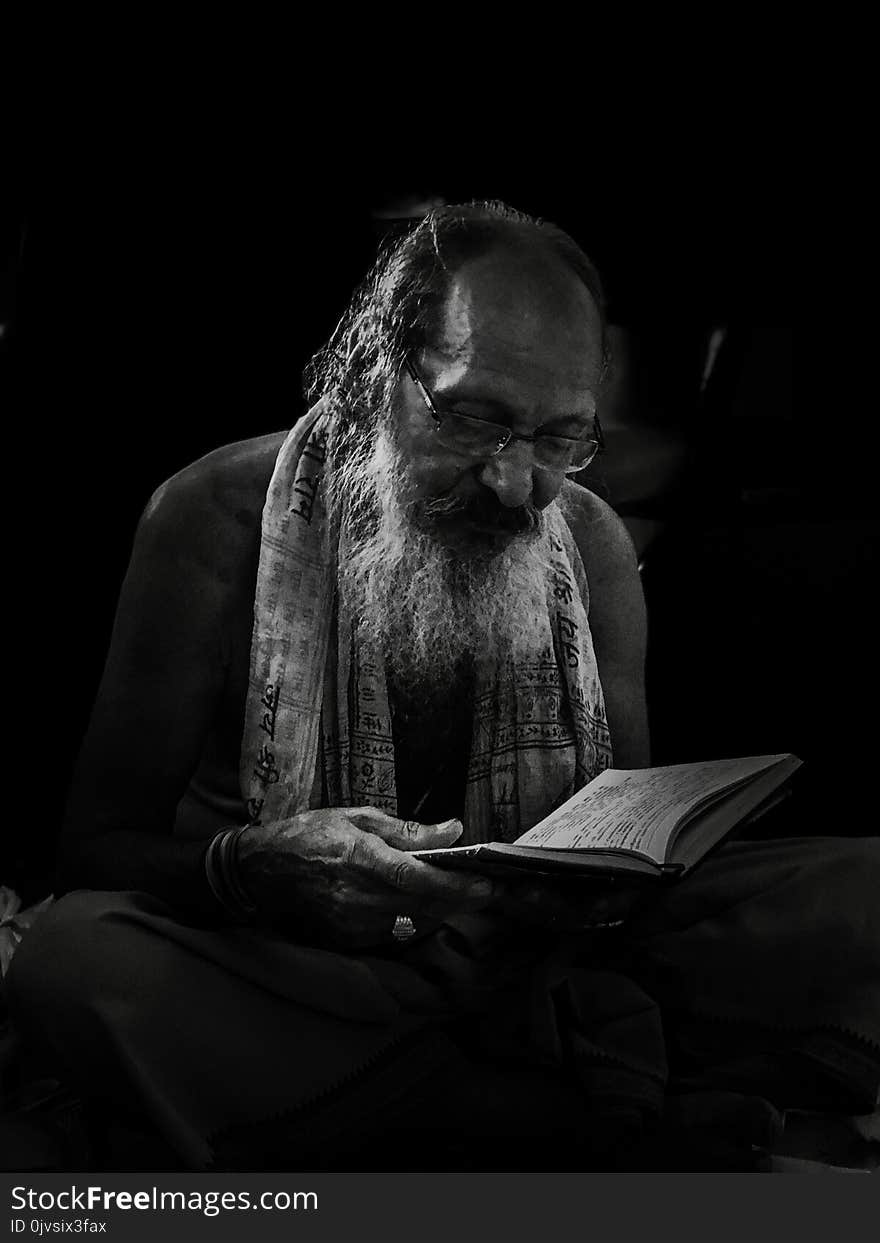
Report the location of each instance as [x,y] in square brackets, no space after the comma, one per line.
[480,438]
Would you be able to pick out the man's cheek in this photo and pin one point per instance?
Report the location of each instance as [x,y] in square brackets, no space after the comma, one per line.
[439,476]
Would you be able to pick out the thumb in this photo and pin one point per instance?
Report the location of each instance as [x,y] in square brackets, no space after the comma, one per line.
[431,836]
[406,834]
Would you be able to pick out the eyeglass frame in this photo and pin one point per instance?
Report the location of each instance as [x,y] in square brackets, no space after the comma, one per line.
[506,433]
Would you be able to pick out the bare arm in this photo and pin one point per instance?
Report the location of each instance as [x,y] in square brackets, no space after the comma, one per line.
[160,689]
[617,621]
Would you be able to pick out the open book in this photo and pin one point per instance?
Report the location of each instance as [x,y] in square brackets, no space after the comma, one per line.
[648,821]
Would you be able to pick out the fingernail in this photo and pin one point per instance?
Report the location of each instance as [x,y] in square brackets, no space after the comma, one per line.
[450,824]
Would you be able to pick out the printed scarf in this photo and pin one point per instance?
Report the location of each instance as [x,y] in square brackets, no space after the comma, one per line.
[318,725]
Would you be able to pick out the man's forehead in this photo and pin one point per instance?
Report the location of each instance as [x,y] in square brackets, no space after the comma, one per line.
[528,311]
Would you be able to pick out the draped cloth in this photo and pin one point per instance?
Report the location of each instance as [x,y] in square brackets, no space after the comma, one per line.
[318,726]
[758,976]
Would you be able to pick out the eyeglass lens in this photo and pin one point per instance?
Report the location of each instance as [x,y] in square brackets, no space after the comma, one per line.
[476,437]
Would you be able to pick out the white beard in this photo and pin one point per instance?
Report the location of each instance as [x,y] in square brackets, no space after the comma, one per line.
[432,606]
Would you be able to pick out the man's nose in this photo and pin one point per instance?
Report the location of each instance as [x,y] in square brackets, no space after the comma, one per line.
[509,474]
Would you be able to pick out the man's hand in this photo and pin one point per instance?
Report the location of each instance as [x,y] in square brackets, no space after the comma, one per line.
[342,875]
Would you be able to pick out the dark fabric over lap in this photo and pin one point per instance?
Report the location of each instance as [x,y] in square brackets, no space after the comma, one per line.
[757,976]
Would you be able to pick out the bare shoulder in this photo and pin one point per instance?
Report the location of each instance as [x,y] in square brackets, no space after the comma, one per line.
[229,481]
[208,514]
[617,603]
[603,541]
[618,622]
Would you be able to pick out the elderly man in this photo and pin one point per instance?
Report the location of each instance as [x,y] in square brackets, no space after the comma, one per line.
[404,625]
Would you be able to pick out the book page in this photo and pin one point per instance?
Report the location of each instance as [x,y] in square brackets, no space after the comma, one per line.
[638,809]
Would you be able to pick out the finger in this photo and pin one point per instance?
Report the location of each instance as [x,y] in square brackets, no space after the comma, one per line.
[405,834]
[409,835]
[408,876]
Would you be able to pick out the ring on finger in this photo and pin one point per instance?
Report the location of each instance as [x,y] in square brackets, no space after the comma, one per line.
[403,929]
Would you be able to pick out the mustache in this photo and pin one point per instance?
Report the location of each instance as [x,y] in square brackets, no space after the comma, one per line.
[483,510]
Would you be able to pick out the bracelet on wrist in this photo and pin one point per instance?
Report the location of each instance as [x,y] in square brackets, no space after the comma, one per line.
[222,872]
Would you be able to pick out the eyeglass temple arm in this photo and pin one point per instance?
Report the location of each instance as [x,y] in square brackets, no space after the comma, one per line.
[426,396]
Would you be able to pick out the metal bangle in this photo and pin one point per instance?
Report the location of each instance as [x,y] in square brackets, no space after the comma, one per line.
[221,871]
